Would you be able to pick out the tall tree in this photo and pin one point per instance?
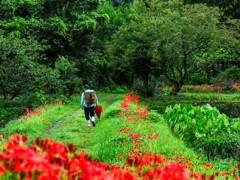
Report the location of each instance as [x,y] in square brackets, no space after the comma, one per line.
[182,32]
[229,7]
[170,34]
[129,49]
[66,26]
[19,70]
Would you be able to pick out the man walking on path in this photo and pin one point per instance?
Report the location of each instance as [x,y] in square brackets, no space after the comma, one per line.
[88,101]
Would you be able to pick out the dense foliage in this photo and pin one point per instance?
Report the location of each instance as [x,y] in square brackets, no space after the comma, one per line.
[136,146]
[206,128]
[106,42]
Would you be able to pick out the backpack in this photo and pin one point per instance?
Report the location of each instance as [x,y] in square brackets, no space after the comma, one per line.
[90,98]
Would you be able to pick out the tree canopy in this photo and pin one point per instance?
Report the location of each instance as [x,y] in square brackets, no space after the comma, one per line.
[109,43]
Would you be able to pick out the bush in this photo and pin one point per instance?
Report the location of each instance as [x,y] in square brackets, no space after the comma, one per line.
[31,99]
[232,110]
[146,91]
[197,78]
[205,125]
[233,72]
[68,75]
[224,146]
[20,71]
[10,109]
[120,89]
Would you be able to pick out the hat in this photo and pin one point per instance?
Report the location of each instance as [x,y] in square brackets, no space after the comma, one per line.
[86,86]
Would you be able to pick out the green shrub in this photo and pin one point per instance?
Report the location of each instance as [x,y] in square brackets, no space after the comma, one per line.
[233,72]
[68,75]
[120,89]
[20,71]
[204,124]
[232,110]
[197,78]
[225,145]
[146,91]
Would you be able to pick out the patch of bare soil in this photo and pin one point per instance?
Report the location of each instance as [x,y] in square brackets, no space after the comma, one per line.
[225,82]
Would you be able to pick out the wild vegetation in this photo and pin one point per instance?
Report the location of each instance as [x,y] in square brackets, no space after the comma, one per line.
[167,73]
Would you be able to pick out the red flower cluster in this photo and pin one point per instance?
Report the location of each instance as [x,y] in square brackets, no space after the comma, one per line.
[237,86]
[146,164]
[47,159]
[36,111]
[53,160]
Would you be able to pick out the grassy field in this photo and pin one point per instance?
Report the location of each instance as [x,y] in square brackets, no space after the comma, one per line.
[106,142]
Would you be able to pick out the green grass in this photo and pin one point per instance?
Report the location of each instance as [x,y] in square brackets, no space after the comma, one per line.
[68,123]
[226,103]
[106,138]
[74,128]
[36,126]
[102,142]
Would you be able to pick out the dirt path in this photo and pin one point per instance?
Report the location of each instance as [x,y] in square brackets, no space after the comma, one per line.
[73,128]
[58,124]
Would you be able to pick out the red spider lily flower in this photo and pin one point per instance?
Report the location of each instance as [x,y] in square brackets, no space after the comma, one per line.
[156,135]
[165,141]
[136,147]
[173,171]
[128,96]
[121,155]
[167,81]
[2,169]
[206,164]
[147,99]
[144,106]
[114,167]
[223,174]
[71,148]
[45,118]
[175,149]
[49,123]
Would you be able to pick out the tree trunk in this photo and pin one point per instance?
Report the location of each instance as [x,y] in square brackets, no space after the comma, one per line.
[3,91]
[176,88]
[5,96]
[145,79]
[132,80]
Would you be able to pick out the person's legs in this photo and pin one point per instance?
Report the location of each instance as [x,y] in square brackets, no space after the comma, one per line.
[92,115]
[86,111]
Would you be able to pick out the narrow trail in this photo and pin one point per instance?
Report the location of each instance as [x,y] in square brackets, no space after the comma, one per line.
[73,127]
[58,124]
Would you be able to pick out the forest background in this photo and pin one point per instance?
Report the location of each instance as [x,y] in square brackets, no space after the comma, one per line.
[56,46]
